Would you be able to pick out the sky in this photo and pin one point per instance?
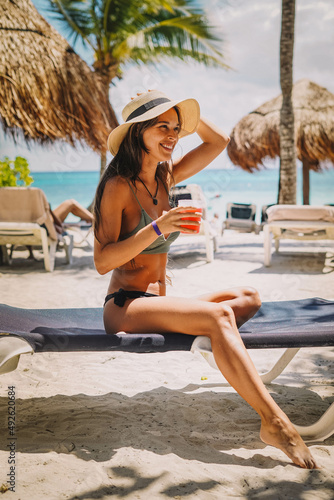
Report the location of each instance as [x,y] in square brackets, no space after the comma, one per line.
[251,31]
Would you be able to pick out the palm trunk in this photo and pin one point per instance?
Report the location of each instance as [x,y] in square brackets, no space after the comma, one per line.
[105,77]
[103,161]
[114,123]
[288,168]
[306,182]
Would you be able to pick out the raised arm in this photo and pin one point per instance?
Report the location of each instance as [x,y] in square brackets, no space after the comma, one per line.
[214,142]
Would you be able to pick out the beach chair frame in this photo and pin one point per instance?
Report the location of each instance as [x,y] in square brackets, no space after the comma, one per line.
[11,348]
[296,226]
[307,323]
[320,430]
[25,219]
[241,217]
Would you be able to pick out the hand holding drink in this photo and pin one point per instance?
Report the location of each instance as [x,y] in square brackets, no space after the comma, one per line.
[193,209]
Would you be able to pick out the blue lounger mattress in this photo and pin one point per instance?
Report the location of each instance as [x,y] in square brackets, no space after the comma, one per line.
[298,323]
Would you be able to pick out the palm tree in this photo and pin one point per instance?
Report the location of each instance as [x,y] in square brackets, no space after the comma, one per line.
[288,170]
[122,32]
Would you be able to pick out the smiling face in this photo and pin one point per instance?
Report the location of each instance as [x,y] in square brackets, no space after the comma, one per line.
[161,139]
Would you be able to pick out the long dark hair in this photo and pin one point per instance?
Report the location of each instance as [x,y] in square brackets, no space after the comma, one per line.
[127,163]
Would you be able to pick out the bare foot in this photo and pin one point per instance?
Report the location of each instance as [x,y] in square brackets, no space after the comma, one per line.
[281,434]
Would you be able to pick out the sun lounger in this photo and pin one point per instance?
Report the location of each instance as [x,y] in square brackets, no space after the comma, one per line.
[81,232]
[264,215]
[241,217]
[288,324]
[298,223]
[194,192]
[25,219]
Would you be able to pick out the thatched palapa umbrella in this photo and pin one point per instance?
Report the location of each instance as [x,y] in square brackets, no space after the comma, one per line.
[47,92]
[256,135]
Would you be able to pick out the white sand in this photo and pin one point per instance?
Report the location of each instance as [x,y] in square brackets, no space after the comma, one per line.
[159,426]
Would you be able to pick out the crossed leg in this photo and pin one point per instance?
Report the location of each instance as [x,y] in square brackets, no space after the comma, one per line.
[216,319]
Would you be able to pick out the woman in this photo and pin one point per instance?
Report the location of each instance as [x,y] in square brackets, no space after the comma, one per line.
[134,227]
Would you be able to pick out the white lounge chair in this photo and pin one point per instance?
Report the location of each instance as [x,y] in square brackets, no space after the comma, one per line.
[241,217]
[194,192]
[264,216]
[82,233]
[25,219]
[297,223]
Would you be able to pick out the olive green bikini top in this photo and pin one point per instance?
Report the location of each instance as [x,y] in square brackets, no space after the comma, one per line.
[161,244]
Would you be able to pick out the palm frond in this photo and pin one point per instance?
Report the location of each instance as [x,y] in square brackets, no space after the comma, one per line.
[184,37]
[163,54]
[75,17]
[121,31]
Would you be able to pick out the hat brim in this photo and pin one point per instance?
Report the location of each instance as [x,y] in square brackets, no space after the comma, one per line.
[190,115]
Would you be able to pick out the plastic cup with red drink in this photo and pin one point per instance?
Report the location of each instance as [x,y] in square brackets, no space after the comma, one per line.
[193,209]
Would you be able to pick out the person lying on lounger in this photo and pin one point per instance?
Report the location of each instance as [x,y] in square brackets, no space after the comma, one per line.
[59,215]
[134,227]
[67,207]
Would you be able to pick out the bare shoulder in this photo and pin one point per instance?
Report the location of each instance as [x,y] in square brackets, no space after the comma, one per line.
[116,192]
[116,184]
[113,203]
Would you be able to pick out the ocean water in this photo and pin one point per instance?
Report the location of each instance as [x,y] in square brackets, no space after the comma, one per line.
[220,186]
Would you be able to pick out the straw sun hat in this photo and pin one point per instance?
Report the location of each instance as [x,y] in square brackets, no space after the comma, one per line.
[150,105]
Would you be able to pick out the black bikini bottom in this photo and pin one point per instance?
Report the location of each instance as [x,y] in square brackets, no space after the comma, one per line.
[121,296]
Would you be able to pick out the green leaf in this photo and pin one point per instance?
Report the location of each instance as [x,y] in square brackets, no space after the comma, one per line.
[15,172]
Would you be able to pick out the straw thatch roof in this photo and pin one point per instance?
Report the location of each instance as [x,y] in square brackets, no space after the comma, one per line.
[256,136]
[47,92]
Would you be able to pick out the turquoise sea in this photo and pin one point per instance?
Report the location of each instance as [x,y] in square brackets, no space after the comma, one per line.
[220,186]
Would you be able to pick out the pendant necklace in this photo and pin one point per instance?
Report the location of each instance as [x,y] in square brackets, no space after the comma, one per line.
[154,198]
